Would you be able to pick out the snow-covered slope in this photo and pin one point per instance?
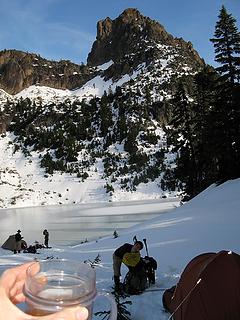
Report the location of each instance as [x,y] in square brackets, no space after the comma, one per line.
[208,223]
[93,88]
[24,183]
[29,185]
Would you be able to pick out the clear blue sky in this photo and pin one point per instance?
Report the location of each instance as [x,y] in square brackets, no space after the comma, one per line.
[66,29]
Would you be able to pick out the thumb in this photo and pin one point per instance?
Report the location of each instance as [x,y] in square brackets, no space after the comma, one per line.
[77,313]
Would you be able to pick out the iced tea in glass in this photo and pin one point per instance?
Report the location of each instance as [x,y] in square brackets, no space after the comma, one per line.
[52,285]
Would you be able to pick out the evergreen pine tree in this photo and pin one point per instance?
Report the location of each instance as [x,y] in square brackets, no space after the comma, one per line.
[105,115]
[182,137]
[122,123]
[225,115]
[204,94]
[130,144]
[227,46]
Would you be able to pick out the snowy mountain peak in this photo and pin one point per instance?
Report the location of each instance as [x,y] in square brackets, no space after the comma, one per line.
[128,41]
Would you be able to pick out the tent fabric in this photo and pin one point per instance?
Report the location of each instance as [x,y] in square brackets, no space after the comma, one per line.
[10,243]
[208,289]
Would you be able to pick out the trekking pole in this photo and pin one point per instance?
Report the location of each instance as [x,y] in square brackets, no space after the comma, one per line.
[145,242]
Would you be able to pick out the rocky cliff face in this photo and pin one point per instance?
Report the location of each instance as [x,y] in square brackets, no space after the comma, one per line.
[127,34]
[19,70]
[71,132]
[129,40]
[132,39]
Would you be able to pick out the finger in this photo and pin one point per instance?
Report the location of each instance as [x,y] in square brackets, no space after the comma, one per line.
[9,310]
[10,276]
[16,289]
[8,280]
[18,298]
[12,280]
[16,293]
[22,270]
[78,313]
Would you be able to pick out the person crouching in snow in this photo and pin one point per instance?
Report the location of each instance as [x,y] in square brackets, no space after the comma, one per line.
[118,259]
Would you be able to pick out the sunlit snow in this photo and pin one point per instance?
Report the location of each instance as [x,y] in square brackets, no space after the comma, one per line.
[208,223]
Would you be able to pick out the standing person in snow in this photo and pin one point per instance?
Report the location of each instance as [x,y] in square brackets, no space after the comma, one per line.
[118,258]
[18,242]
[46,237]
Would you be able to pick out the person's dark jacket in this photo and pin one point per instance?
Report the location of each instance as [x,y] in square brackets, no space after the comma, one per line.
[120,252]
[18,237]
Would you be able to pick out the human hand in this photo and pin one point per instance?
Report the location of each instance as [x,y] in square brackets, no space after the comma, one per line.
[11,286]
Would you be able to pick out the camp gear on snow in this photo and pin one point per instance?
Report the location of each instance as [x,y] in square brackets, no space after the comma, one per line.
[30,249]
[136,279]
[208,289]
[10,244]
[131,259]
[23,244]
[150,265]
[135,283]
[167,296]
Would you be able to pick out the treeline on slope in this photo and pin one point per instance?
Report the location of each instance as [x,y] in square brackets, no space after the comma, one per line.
[203,130]
[201,122]
[205,123]
[72,136]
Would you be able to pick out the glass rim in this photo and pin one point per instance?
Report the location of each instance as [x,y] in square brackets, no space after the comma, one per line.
[49,261]
[89,295]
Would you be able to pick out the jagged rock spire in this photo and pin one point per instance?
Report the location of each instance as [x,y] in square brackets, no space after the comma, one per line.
[124,35]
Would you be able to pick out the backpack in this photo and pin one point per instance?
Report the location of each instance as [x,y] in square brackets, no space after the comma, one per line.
[167,297]
[30,249]
[135,281]
[141,276]
[150,265]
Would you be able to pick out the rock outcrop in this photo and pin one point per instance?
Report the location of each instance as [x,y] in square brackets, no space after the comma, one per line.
[19,70]
[132,39]
[129,40]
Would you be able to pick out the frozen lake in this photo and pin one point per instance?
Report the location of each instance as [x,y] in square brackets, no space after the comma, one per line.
[71,224]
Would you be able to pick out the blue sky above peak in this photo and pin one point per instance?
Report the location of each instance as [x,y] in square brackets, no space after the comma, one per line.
[61,29]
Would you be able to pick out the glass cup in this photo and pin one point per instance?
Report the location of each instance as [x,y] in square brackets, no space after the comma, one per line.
[52,285]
